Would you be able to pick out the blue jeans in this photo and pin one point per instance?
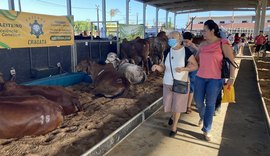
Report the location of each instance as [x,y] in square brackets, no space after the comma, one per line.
[205,96]
[192,76]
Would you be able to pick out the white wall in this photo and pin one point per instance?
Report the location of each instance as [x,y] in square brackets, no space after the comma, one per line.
[228,19]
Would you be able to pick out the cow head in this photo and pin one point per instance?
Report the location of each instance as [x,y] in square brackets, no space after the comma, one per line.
[112,58]
[83,66]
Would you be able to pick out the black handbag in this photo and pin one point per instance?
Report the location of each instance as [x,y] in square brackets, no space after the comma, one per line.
[225,70]
[178,85]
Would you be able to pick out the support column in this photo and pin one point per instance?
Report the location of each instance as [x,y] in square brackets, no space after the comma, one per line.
[69,12]
[264,4]
[73,48]
[104,18]
[157,9]
[144,17]
[20,6]
[174,21]
[257,19]
[166,23]
[11,5]
[127,11]
[144,13]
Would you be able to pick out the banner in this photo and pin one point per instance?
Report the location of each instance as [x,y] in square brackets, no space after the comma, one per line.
[130,32]
[19,30]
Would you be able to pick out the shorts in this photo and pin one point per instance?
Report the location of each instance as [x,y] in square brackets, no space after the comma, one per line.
[258,47]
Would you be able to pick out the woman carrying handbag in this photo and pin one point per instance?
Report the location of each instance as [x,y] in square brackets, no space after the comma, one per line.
[177,64]
[208,81]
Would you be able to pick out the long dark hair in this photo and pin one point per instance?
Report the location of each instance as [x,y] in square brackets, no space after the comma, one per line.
[212,25]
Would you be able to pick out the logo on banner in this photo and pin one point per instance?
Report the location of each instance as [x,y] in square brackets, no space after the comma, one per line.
[36,29]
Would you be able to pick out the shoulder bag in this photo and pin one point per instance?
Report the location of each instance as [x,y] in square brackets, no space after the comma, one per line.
[225,70]
[178,85]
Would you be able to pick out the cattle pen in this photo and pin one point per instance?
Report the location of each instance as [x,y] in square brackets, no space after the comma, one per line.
[132,123]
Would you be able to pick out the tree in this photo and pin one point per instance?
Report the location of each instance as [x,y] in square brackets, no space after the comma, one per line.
[80,26]
[113,12]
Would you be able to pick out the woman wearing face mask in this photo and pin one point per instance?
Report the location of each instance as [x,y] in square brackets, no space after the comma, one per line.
[182,62]
[208,81]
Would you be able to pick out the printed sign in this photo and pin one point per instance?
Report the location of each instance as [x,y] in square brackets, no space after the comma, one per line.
[20,30]
[130,32]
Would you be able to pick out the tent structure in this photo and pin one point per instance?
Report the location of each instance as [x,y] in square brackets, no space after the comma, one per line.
[189,6]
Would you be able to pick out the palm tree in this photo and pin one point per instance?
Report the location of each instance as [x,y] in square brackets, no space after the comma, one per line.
[113,12]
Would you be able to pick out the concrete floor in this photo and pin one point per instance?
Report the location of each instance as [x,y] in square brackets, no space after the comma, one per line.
[239,129]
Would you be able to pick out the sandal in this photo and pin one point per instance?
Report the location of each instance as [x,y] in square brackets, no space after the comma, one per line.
[172,133]
[189,110]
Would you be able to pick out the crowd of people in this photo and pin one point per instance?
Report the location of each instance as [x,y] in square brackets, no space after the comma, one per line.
[202,63]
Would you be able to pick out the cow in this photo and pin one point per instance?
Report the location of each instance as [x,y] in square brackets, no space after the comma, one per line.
[67,99]
[134,73]
[113,59]
[198,39]
[106,80]
[158,45]
[2,81]
[28,116]
[136,51]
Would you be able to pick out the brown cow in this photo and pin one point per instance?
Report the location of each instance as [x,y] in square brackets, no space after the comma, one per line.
[67,99]
[158,45]
[24,116]
[198,39]
[2,81]
[106,80]
[137,51]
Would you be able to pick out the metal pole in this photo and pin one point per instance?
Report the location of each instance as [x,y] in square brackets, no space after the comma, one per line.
[166,23]
[137,15]
[174,21]
[257,19]
[144,17]
[104,17]
[157,9]
[97,20]
[191,23]
[127,11]
[11,5]
[264,4]
[73,50]
[69,13]
[20,7]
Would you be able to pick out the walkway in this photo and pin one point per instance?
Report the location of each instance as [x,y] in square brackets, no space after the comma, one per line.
[239,130]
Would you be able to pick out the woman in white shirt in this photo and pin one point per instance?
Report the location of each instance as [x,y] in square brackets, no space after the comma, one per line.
[182,62]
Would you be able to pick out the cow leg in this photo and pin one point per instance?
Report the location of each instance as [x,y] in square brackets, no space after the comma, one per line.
[145,63]
[77,104]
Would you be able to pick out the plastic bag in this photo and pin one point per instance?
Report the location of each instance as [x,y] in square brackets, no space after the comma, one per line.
[228,94]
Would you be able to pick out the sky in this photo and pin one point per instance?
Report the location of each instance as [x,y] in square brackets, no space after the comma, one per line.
[84,10]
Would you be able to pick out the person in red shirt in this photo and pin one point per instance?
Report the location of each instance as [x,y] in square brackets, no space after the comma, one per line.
[259,41]
[236,43]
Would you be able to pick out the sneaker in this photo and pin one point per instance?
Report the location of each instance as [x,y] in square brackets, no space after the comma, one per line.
[207,136]
[200,123]
[217,111]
